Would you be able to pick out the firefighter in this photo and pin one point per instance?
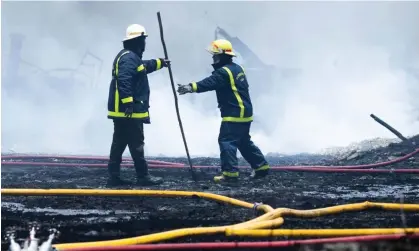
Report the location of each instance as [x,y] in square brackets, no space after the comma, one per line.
[230,84]
[128,106]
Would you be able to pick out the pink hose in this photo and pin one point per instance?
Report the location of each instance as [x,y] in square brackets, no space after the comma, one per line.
[364,166]
[276,168]
[237,245]
[162,164]
[22,163]
[345,170]
[75,157]
[379,164]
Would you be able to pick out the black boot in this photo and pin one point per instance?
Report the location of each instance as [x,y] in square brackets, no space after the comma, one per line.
[141,168]
[149,180]
[114,179]
[117,181]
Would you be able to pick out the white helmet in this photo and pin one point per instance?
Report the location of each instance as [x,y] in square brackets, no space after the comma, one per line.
[135,30]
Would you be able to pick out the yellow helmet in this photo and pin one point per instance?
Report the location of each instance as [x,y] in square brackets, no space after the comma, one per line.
[221,46]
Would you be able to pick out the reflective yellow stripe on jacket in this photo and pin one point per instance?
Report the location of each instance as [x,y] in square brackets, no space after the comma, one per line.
[116,113]
[239,101]
[158,62]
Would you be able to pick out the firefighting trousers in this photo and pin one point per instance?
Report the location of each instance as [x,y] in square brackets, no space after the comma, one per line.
[235,136]
[127,132]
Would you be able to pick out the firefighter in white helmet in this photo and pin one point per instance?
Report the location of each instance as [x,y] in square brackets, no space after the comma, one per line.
[230,84]
[128,105]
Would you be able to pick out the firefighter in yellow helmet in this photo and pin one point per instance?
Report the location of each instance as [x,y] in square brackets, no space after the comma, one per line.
[128,105]
[229,82]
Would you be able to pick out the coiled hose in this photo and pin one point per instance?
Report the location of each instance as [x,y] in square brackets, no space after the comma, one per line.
[262,226]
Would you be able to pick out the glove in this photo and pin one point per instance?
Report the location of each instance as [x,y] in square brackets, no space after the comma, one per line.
[183,89]
[129,110]
[164,62]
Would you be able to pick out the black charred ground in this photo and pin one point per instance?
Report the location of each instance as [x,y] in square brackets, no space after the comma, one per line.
[104,218]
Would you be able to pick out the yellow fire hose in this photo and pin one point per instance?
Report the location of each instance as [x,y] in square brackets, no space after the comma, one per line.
[279,212]
[272,218]
[156,193]
[319,232]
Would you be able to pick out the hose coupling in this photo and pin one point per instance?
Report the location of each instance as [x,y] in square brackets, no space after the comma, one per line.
[256,205]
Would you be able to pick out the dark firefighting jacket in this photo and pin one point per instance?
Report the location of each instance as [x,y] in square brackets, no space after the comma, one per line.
[129,85]
[232,89]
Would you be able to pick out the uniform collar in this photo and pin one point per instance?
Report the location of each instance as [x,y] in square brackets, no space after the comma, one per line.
[219,65]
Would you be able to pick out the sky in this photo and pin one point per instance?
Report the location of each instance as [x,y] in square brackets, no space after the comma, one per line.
[351,59]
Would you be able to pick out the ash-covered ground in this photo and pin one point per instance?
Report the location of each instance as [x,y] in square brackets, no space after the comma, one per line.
[105,218]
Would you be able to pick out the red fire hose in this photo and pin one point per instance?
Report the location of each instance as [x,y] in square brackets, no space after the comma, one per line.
[163,164]
[274,168]
[23,163]
[237,245]
[75,157]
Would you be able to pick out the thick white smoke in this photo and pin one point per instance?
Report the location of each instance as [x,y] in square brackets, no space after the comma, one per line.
[353,59]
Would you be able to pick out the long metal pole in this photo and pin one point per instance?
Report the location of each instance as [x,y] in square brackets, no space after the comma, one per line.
[390,128]
[176,100]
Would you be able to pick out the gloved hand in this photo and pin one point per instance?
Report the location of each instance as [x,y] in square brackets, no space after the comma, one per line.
[164,62]
[183,89]
[129,110]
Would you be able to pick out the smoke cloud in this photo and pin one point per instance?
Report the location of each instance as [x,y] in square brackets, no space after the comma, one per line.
[350,59]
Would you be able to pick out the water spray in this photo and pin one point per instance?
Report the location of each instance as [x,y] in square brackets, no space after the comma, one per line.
[31,243]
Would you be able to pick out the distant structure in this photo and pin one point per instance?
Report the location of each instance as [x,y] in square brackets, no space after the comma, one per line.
[18,74]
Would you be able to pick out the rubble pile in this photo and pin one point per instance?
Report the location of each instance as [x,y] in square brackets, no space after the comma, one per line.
[375,154]
[365,145]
